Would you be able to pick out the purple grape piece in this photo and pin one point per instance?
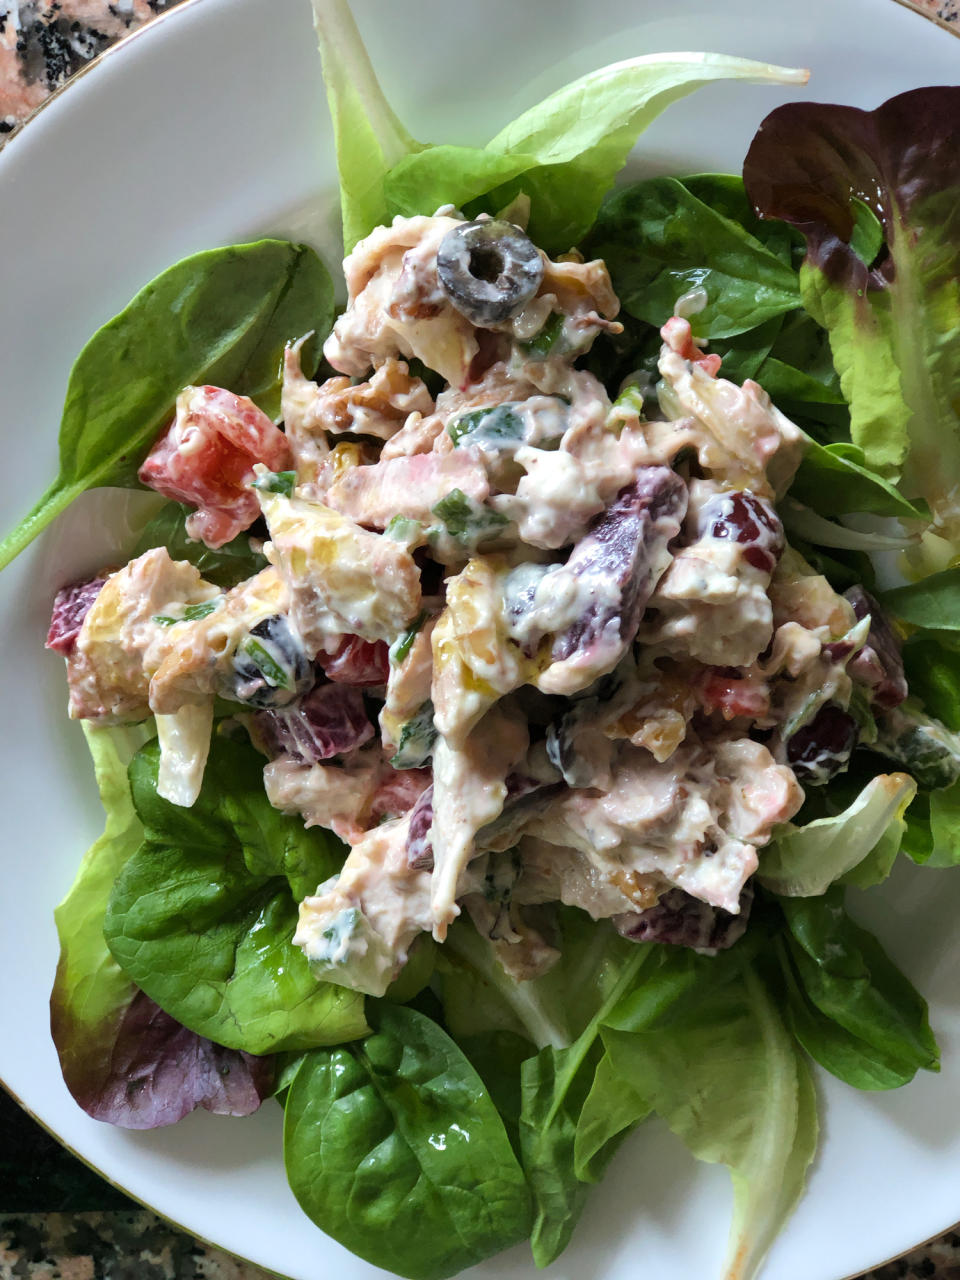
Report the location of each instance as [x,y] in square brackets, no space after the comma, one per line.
[822,747]
[330,720]
[878,665]
[680,920]
[744,518]
[626,547]
[70,607]
[419,844]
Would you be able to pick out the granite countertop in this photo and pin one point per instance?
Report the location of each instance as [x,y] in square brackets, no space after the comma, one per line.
[58,1219]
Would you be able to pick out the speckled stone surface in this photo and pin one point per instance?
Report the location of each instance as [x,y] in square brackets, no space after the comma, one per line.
[58,1219]
[946,12]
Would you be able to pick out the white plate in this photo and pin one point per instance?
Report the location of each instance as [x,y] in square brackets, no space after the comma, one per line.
[208,128]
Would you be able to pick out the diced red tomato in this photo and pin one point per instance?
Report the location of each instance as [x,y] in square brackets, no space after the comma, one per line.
[732,694]
[206,458]
[677,334]
[356,661]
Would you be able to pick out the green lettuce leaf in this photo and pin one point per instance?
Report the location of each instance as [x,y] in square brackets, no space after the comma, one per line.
[553,1009]
[933,602]
[125,1060]
[369,138]
[202,915]
[849,1005]
[729,1080]
[555,1085]
[220,317]
[393,1146]
[805,861]
[229,565]
[563,153]
[659,241]
[891,304]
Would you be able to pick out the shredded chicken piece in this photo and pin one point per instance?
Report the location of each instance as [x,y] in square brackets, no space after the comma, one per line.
[396,306]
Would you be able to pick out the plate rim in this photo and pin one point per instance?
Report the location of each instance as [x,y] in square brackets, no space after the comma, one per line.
[154,23]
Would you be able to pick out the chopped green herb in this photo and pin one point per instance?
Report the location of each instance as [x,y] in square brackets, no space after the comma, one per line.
[404,642]
[403,529]
[500,425]
[192,613]
[466,520]
[549,341]
[277,482]
[266,663]
[416,740]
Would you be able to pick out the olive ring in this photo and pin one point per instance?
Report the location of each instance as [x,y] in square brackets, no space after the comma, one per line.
[489,270]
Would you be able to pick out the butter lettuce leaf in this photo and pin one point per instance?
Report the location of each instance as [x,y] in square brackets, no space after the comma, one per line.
[730,1081]
[563,153]
[803,861]
[891,303]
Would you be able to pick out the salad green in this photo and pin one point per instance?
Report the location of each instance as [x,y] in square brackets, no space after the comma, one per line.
[463,1111]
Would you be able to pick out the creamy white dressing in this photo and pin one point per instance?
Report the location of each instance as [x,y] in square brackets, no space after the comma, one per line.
[654,795]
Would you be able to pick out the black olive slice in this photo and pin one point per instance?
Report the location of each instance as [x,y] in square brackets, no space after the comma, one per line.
[489,270]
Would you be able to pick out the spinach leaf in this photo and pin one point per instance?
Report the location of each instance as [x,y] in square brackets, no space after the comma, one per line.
[944,827]
[498,1057]
[917,842]
[394,1147]
[659,241]
[221,317]
[933,602]
[932,666]
[834,480]
[229,565]
[745,354]
[202,915]
[801,365]
[726,195]
[850,1006]
[727,1077]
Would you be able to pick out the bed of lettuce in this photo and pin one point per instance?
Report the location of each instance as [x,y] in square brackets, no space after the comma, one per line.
[462,1113]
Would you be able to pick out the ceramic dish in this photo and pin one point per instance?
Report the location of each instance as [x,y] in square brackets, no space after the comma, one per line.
[210,127]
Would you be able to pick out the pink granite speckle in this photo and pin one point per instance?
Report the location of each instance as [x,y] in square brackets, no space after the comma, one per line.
[946,12]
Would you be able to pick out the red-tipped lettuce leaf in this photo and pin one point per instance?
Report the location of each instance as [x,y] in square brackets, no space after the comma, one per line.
[123,1059]
[158,1072]
[892,308]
